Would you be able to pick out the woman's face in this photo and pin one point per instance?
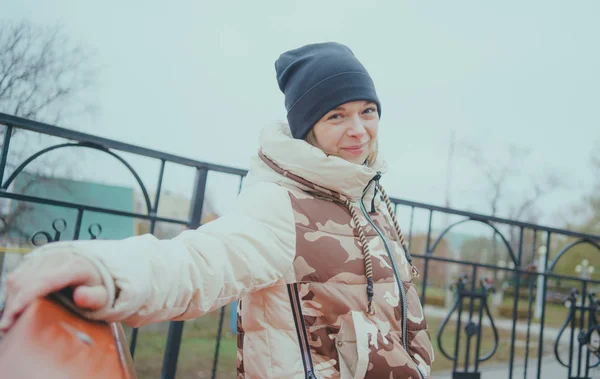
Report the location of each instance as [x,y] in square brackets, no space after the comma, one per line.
[349,131]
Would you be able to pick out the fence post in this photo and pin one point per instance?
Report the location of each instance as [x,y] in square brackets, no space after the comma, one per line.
[539,298]
[176,327]
[233,320]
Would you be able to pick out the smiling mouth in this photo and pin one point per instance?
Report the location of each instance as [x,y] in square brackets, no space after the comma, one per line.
[355,150]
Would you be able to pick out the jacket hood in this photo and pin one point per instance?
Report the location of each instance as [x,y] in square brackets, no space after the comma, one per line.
[311,164]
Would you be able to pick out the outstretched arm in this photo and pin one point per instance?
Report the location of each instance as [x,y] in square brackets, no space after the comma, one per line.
[150,280]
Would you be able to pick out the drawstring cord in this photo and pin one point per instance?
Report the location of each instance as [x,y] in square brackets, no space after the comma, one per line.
[363,241]
[388,204]
[367,251]
[374,195]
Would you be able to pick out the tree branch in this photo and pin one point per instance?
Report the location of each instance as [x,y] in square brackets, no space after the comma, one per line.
[42,76]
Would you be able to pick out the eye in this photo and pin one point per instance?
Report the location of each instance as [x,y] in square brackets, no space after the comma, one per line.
[335,116]
[370,110]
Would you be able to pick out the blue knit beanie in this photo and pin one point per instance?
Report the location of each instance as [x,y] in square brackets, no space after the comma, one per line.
[317,78]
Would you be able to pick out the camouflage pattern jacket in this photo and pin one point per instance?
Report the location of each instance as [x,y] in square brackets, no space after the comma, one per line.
[314,253]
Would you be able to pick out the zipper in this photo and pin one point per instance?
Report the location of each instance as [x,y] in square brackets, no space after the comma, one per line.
[301,330]
[396,275]
[394,268]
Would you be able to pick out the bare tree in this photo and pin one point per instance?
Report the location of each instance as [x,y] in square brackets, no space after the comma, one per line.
[583,216]
[497,175]
[44,76]
[586,211]
[504,177]
[41,72]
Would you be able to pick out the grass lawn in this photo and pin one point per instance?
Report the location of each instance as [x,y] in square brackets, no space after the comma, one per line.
[199,336]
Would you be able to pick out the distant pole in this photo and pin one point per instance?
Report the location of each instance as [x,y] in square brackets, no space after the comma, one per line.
[449,166]
[452,270]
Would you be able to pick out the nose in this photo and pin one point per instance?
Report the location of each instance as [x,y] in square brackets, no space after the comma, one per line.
[356,127]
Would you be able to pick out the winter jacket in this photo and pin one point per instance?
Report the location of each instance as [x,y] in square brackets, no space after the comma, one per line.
[314,255]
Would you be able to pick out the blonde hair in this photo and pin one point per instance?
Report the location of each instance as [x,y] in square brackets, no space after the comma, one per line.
[311,138]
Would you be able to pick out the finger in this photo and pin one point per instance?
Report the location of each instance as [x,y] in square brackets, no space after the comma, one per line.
[28,285]
[7,321]
[14,307]
[8,313]
[92,298]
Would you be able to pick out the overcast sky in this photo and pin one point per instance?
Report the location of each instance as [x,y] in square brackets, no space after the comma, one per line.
[196,78]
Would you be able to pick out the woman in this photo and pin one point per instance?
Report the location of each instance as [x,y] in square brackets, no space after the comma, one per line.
[312,248]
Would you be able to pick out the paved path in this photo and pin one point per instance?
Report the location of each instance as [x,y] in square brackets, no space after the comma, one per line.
[504,324]
[551,369]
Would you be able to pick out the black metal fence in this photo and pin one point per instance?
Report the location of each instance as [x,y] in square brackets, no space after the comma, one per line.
[483,304]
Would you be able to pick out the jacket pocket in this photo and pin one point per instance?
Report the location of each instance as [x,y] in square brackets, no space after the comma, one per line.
[352,345]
